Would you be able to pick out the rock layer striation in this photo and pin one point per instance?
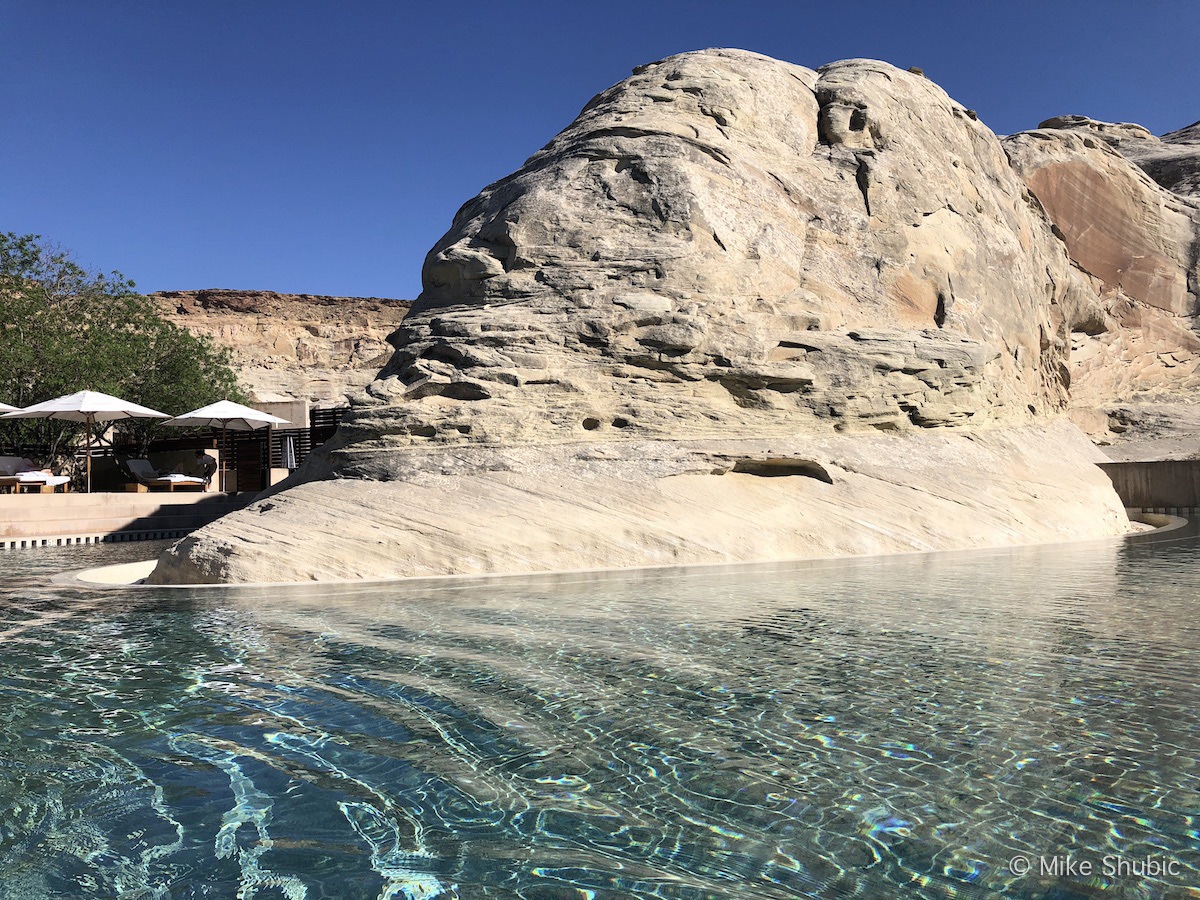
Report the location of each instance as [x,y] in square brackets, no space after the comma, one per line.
[727,244]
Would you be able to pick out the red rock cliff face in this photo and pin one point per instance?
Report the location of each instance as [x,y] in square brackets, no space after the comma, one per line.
[1136,243]
[305,346]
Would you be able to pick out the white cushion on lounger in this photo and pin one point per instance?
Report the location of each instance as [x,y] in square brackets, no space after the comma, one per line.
[42,478]
[146,474]
[184,479]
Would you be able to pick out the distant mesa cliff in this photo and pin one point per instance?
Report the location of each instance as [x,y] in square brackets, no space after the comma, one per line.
[305,346]
[743,310]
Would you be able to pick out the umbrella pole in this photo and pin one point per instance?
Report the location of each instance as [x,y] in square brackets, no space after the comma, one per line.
[88,420]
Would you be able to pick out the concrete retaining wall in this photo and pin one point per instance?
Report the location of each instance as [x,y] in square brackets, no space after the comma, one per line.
[48,520]
[1165,484]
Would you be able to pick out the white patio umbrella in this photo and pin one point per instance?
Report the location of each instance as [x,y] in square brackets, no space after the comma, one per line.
[88,407]
[226,415]
[4,407]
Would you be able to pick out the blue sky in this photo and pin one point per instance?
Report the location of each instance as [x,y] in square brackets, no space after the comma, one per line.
[323,147]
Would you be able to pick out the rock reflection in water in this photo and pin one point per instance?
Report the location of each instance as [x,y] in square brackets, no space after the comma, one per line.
[852,727]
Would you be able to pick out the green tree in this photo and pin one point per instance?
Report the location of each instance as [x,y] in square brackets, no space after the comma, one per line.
[64,329]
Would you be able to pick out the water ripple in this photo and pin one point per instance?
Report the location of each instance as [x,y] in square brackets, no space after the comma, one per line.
[861,729]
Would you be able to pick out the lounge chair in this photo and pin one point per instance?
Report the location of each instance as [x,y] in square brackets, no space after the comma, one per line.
[21,474]
[149,479]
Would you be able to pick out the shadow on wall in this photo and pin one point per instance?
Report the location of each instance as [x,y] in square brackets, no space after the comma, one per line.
[1152,485]
[183,518]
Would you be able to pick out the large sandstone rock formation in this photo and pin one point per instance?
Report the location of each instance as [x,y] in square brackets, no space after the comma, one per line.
[742,246]
[1138,245]
[727,268]
[300,346]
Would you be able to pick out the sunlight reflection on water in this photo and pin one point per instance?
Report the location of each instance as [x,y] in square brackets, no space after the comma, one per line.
[861,728]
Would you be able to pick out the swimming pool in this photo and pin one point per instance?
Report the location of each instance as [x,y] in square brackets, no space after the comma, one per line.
[926,725]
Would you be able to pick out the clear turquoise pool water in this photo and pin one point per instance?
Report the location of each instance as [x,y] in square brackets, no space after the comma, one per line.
[899,727]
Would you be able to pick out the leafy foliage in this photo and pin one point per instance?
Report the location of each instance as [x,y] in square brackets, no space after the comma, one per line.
[65,329]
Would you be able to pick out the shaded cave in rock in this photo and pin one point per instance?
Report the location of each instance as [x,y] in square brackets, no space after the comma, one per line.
[776,468]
